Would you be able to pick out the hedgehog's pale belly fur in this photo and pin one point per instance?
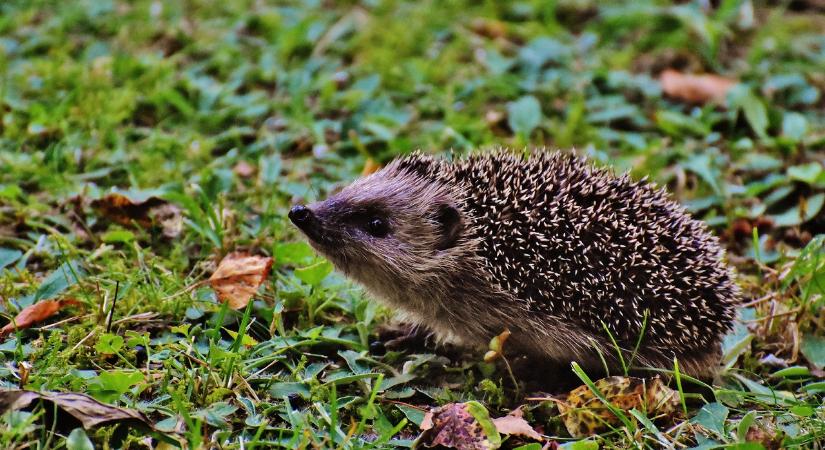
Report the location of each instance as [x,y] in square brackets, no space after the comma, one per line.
[555,250]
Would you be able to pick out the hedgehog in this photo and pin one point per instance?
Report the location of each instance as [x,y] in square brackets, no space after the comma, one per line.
[579,264]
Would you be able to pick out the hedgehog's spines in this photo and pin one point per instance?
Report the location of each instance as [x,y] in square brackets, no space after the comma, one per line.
[572,239]
[551,241]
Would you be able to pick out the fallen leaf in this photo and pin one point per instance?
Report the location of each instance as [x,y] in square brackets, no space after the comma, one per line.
[515,424]
[370,166]
[36,313]
[73,407]
[695,88]
[766,434]
[169,218]
[586,415]
[244,170]
[146,212]
[463,426]
[238,277]
[489,28]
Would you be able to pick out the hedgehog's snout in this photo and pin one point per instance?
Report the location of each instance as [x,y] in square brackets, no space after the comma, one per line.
[305,219]
[300,215]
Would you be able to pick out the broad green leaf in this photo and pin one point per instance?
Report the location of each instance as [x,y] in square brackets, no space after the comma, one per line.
[216,414]
[314,274]
[704,165]
[796,215]
[110,386]
[534,446]
[712,416]
[794,126]
[745,425]
[794,371]
[813,347]
[58,281]
[285,389]
[108,343]
[270,169]
[676,123]
[78,440]
[123,236]
[581,445]
[414,415]
[293,253]
[479,412]
[743,98]
[815,387]
[760,162]
[807,173]
[524,115]
[802,410]
[9,256]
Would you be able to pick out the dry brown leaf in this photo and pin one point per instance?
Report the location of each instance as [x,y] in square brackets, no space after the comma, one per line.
[73,407]
[695,88]
[489,28]
[586,415]
[152,211]
[238,278]
[370,166]
[463,426]
[515,424]
[36,313]
[244,170]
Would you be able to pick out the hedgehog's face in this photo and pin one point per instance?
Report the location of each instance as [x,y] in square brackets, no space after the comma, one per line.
[384,229]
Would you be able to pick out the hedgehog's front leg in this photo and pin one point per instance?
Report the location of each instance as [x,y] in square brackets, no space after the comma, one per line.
[411,337]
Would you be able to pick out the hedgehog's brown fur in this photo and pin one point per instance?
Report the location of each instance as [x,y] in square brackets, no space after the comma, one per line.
[547,246]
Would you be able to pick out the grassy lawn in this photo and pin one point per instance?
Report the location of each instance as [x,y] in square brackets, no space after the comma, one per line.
[209,119]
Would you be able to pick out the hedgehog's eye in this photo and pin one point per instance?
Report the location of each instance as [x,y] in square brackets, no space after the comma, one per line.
[377,227]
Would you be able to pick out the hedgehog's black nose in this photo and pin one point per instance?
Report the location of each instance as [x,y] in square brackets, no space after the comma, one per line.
[300,215]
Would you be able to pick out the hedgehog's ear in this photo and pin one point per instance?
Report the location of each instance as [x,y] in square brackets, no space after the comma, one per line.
[450,226]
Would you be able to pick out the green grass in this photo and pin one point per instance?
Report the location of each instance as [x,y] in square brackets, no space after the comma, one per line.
[174,98]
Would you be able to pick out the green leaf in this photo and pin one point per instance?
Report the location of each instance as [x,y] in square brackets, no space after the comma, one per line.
[811,261]
[314,274]
[122,236]
[414,415]
[524,115]
[760,162]
[532,446]
[794,216]
[293,253]
[815,387]
[813,347]
[110,386]
[794,126]
[480,414]
[675,124]
[9,256]
[270,169]
[68,274]
[712,416]
[802,410]
[285,389]
[216,413]
[807,173]
[581,445]
[109,343]
[737,341]
[743,99]
[745,425]
[794,371]
[78,440]
[704,165]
